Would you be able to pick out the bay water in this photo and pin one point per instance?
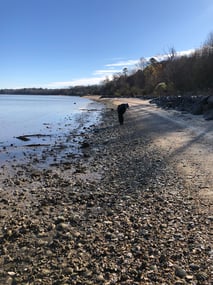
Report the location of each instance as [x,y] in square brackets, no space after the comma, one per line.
[42,119]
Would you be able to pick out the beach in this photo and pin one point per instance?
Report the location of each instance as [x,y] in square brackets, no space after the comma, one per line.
[134,206]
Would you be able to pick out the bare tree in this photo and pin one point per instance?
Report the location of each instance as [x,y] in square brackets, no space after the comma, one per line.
[125,71]
[172,54]
[209,41]
[142,63]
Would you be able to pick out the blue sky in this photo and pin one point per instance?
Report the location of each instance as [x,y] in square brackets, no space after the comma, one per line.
[62,43]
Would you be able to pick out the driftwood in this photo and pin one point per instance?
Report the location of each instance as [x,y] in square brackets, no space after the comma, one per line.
[27,137]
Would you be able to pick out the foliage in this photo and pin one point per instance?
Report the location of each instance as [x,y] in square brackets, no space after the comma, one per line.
[176,75]
[160,88]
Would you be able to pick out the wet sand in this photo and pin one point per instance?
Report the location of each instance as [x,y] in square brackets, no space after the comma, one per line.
[135,207]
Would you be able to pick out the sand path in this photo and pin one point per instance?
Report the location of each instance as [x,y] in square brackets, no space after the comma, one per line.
[187,140]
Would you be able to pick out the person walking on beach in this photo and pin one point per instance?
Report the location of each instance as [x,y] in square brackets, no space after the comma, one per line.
[121,109]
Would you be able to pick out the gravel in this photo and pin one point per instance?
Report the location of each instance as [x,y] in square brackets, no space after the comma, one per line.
[120,213]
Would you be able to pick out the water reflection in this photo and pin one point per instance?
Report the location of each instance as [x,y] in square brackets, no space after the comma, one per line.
[32,123]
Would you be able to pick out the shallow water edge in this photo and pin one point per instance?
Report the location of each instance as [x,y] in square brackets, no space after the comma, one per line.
[55,143]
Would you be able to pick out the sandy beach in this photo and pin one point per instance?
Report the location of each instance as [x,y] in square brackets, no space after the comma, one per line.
[135,207]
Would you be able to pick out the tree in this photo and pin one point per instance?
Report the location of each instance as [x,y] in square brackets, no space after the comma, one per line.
[209,41]
[125,70]
[142,63]
[172,54]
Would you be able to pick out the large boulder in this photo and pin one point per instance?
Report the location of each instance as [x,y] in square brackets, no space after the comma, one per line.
[208,115]
[208,108]
[197,105]
[210,101]
[197,109]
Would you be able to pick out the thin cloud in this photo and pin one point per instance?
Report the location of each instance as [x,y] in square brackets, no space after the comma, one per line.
[132,62]
[84,81]
[102,74]
[123,63]
[105,71]
[76,82]
[178,54]
[186,52]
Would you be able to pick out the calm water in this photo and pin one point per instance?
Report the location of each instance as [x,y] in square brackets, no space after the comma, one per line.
[50,115]
[53,126]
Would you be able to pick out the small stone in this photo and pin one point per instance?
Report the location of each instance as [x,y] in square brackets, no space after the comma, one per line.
[76,234]
[100,277]
[201,276]
[129,255]
[189,277]
[153,268]
[9,281]
[194,267]
[46,271]
[11,273]
[68,270]
[85,145]
[62,226]
[179,272]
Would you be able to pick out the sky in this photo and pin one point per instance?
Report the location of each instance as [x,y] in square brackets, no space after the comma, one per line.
[64,43]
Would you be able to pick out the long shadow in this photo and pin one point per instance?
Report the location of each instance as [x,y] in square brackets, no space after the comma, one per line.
[146,123]
[193,141]
[163,128]
[142,123]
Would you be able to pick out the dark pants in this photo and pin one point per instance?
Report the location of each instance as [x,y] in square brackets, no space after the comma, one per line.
[120,118]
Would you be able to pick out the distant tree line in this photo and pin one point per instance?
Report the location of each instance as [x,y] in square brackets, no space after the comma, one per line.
[72,91]
[175,75]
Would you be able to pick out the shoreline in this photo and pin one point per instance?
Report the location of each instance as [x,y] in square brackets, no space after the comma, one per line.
[122,213]
[68,133]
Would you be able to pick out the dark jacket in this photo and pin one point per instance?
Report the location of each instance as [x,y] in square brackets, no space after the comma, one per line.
[122,108]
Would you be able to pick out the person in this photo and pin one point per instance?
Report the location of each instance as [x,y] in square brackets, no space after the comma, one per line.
[121,109]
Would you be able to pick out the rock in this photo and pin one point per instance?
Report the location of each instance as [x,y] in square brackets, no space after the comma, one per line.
[85,145]
[180,272]
[208,115]
[197,109]
[100,277]
[194,267]
[62,227]
[127,216]
[201,276]
[196,105]
[210,101]
[11,273]
[189,277]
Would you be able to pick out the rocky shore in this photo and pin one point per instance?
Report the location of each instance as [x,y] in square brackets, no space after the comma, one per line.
[195,104]
[120,213]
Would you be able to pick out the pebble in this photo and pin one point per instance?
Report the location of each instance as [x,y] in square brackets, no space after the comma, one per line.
[123,215]
[180,272]
[62,227]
